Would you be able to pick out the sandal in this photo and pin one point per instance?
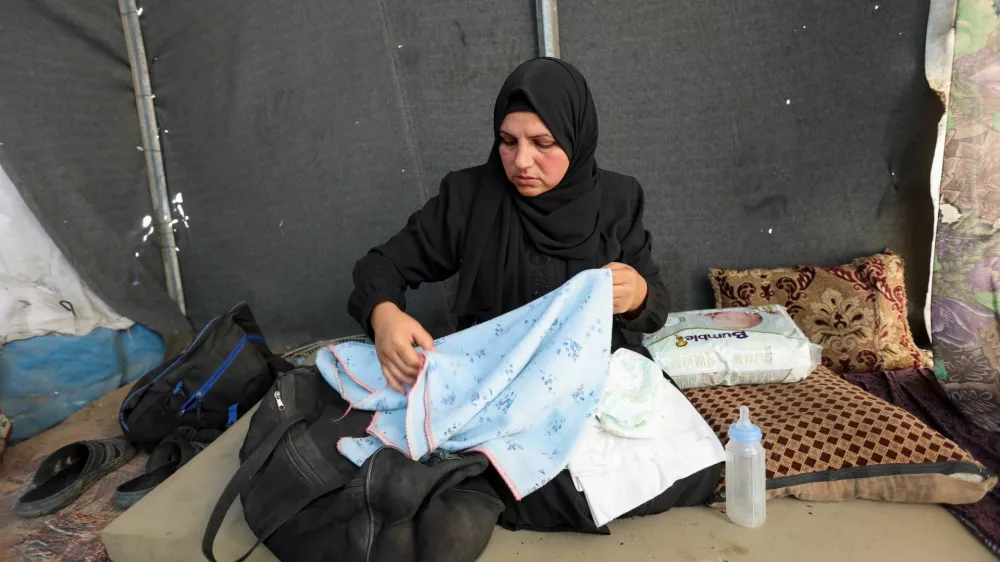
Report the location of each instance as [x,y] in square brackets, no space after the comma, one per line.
[173,452]
[67,473]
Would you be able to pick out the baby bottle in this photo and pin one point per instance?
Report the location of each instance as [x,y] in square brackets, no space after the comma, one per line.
[745,492]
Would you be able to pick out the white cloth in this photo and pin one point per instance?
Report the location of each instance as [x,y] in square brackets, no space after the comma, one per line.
[628,406]
[618,474]
[35,277]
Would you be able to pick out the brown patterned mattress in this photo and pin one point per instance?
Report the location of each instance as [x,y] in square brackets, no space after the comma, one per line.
[828,440]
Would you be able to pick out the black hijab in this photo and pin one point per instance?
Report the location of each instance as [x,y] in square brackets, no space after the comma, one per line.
[562,223]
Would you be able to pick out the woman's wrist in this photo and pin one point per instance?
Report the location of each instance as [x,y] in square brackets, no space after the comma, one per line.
[635,312]
[380,312]
[641,295]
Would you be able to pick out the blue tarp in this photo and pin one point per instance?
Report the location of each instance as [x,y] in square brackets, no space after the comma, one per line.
[45,379]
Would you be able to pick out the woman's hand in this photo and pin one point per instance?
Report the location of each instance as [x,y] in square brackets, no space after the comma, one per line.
[396,332]
[630,288]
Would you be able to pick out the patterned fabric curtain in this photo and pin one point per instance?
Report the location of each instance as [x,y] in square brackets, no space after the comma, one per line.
[965,309]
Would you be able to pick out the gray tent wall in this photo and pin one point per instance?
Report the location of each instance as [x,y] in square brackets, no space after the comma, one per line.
[767,133]
[299,134]
[69,144]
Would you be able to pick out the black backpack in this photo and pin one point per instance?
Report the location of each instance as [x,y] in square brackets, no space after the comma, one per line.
[219,377]
[307,502]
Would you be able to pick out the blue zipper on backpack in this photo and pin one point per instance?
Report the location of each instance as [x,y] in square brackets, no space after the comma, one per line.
[181,357]
[207,385]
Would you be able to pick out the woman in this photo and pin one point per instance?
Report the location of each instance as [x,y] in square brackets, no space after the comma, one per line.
[537,213]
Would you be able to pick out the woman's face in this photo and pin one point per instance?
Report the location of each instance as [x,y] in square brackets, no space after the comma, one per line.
[533,160]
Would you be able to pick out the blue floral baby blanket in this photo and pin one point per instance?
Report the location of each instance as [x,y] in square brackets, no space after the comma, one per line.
[518,389]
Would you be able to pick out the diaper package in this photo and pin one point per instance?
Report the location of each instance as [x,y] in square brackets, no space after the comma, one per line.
[727,347]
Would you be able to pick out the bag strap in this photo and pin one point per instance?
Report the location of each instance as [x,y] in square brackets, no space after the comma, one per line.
[242,478]
[239,482]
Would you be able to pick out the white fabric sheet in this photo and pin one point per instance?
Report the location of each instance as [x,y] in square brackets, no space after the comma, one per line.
[618,474]
[35,277]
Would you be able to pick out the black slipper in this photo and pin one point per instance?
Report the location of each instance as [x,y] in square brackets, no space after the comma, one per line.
[173,452]
[67,473]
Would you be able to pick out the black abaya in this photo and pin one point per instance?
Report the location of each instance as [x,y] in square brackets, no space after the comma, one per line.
[430,247]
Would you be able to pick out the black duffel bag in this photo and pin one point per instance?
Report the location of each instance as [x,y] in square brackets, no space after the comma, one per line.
[219,377]
[306,502]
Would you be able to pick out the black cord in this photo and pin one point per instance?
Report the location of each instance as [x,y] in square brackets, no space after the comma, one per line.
[68,306]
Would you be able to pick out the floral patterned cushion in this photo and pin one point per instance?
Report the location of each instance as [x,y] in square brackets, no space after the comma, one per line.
[857,312]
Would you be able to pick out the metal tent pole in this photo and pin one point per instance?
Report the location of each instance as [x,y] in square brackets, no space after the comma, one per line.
[547,20]
[151,148]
